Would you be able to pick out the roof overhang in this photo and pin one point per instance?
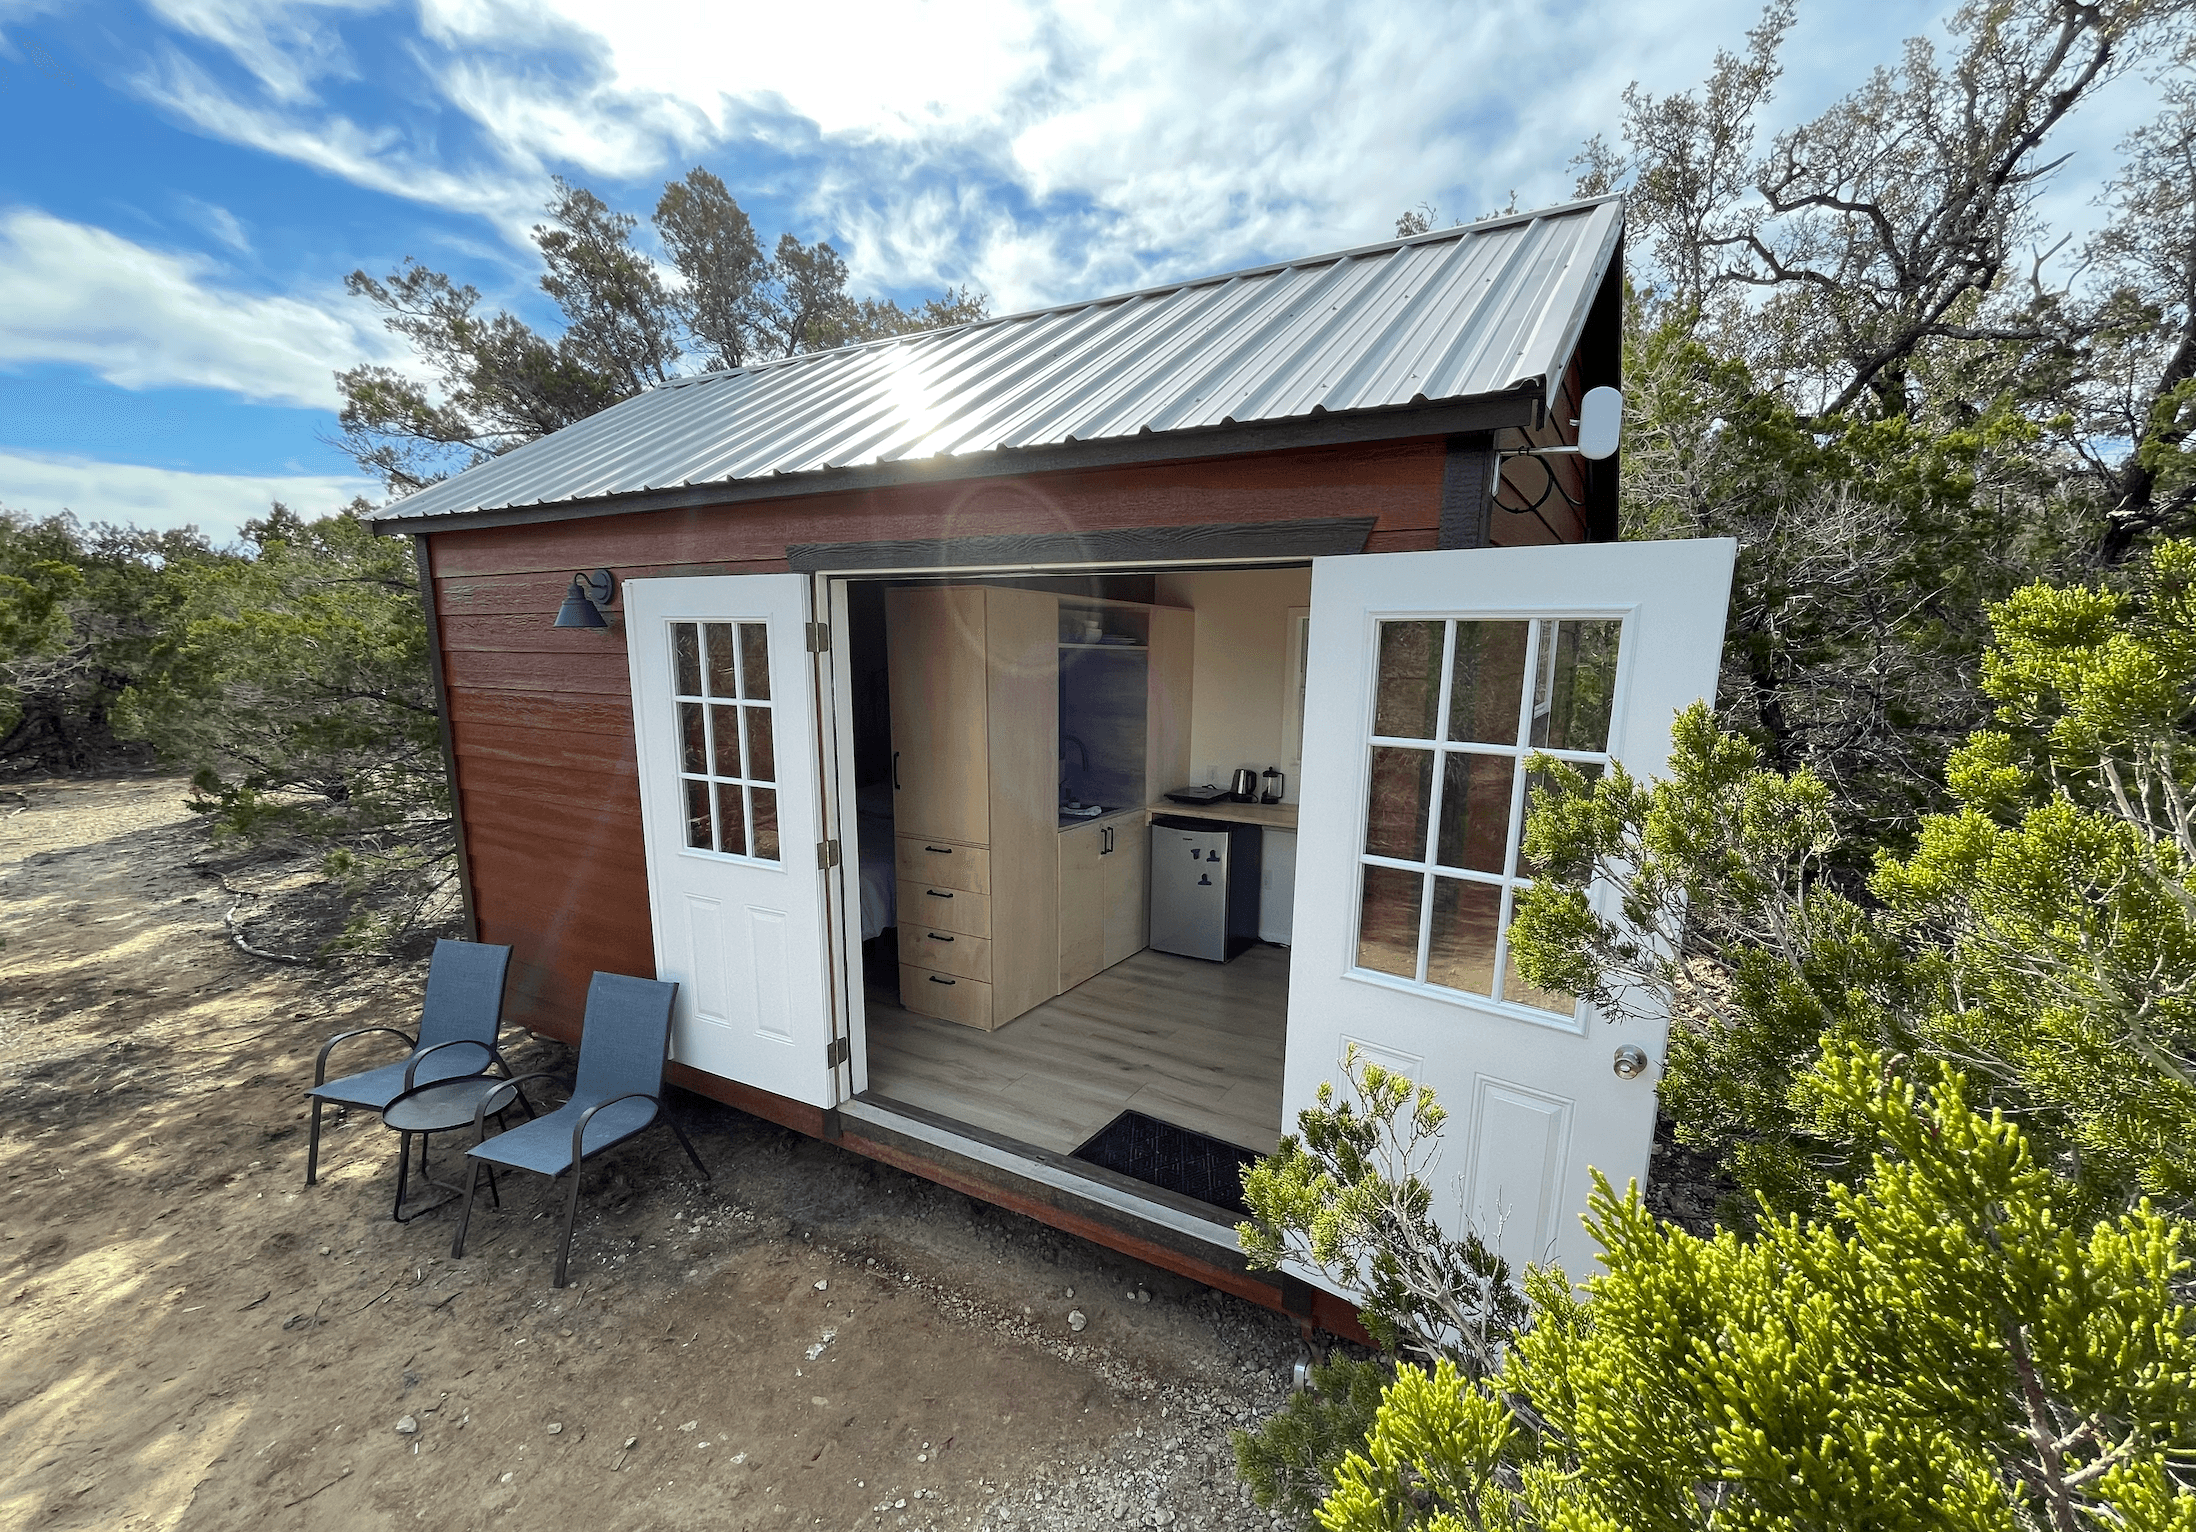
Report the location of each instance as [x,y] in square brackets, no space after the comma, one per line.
[1521,407]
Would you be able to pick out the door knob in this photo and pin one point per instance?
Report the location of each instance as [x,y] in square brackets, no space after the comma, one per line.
[1630,1062]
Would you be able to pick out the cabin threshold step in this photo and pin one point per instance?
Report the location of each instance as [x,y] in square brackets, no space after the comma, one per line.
[1055,1171]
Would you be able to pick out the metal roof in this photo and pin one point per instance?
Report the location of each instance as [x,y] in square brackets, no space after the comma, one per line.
[1483,309]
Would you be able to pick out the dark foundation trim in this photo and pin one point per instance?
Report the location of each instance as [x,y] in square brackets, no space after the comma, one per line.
[1315,538]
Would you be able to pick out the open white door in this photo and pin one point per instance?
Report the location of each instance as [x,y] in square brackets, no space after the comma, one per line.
[1431,677]
[724,714]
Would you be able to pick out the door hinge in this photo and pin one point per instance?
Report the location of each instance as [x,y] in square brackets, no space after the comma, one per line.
[836,1053]
[827,854]
[819,638]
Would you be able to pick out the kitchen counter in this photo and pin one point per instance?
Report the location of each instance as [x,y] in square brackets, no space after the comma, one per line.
[1109,817]
[1274,816]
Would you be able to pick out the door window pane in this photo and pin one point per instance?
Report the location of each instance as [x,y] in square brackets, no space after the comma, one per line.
[1488,682]
[727,748]
[1408,692]
[724,725]
[732,822]
[1518,992]
[1475,811]
[765,804]
[693,744]
[697,814]
[1512,686]
[1535,785]
[762,763]
[723,678]
[1398,793]
[1460,951]
[1387,922]
[755,661]
[686,659]
[1576,686]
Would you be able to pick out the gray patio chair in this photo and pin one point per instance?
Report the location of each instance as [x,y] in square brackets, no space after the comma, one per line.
[458,1023]
[625,1037]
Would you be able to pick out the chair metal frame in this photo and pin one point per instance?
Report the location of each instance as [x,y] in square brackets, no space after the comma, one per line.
[493,1058]
[477,1159]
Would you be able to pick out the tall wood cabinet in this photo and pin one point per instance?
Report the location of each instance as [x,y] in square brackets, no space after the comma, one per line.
[974,675]
[1000,908]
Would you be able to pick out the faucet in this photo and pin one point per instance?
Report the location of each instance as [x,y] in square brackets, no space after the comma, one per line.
[1082,750]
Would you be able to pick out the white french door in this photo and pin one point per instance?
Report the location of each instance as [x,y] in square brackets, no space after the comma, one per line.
[724,716]
[1432,676]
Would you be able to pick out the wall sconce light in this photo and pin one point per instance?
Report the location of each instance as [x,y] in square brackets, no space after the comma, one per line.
[583,603]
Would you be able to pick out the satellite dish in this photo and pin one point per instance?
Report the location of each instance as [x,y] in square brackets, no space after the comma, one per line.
[1600,422]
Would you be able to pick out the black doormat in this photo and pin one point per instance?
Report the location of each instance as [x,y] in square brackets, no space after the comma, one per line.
[1161,1154]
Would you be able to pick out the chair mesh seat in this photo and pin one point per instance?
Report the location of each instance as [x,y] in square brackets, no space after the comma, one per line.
[376,1088]
[544,1145]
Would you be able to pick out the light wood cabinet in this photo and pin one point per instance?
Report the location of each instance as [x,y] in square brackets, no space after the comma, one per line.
[1104,896]
[943,863]
[1126,860]
[946,952]
[937,660]
[1082,903]
[974,676]
[1000,909]
[948,997]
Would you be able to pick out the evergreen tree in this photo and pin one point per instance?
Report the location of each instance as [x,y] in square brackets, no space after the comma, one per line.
[1954,1345]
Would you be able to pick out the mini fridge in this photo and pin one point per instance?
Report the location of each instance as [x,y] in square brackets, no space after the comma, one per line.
[1204,886]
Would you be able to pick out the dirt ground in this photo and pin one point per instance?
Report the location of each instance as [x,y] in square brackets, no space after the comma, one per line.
[189,1337]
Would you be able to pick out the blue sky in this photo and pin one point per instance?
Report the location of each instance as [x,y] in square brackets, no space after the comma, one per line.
[185,183]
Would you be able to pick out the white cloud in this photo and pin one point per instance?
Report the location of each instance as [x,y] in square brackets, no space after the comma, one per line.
[382,159]
[1042,149]
[143,318]
[288,44]
[902,69]
[218,504]
[224,226]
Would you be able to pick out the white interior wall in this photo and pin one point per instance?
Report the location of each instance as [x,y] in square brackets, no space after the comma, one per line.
[1240,687]
[1240,700]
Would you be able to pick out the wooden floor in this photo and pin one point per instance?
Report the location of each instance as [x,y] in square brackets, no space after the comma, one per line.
[1193,1043]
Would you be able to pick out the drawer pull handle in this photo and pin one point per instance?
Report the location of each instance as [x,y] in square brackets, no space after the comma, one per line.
[941,850]
[935,894]
[936,980]
[934,936]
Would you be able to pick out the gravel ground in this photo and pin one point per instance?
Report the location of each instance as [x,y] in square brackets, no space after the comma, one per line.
[191,1338]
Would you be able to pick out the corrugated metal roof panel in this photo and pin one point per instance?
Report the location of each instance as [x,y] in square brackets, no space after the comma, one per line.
[1460,314]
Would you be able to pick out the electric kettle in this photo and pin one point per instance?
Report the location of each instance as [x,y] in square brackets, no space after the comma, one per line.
[1245,788]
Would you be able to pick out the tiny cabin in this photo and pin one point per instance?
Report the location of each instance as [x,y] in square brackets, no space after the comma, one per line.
[1041,749]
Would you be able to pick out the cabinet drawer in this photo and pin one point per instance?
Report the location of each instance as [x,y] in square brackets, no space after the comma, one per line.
[946,952]
[942,864]
[967,1001]
[930,906]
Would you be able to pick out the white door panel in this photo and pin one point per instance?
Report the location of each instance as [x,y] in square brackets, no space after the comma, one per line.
[724,716]
[1431,677]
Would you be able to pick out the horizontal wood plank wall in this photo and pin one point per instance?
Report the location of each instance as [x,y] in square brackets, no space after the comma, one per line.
[540,717]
